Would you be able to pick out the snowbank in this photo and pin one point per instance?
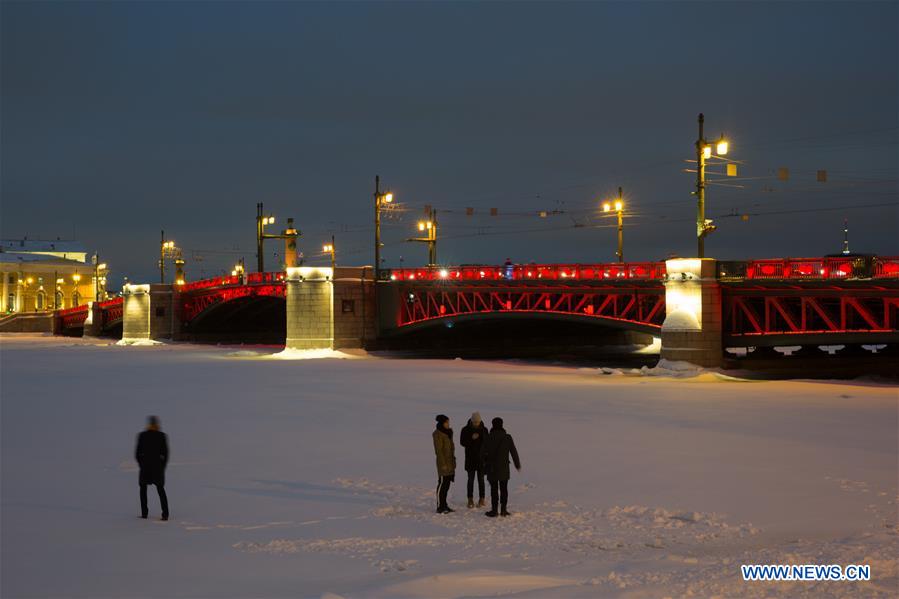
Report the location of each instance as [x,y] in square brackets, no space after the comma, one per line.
[313,354]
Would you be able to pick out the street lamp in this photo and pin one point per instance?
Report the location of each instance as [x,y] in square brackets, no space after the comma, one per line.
[618,205]
[381,200]
[166,250]
[329,248]
[704,152]
[290,235]
[429,228]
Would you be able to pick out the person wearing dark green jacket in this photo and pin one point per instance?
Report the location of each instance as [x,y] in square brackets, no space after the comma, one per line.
[446,461]
[497,449]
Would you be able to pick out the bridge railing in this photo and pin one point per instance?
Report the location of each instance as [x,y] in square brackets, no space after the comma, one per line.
[531,272]
[832,267]
[252,278]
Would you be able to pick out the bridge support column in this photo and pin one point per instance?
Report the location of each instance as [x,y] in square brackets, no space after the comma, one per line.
[310,308]
[93,326]
[149,312]
[692,328]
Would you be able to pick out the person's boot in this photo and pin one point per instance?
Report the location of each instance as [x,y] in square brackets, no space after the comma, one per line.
[165,517]
[482,502]
[491,514]
[505,512]
[448,510]
[470,503]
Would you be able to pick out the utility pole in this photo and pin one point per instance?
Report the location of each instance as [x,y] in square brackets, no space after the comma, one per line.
[429,228]
[619,205]
[380,198]
[703,153]
[700,189]
[96,276]
[619,209]
[162,256]
[329,248]
[845,236]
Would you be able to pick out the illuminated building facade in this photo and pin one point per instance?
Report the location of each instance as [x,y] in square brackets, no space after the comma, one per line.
[40,275]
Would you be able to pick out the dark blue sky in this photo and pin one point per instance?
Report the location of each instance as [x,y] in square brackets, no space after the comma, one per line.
[119,119]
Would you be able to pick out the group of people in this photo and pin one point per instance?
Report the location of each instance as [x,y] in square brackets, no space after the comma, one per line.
[487,454]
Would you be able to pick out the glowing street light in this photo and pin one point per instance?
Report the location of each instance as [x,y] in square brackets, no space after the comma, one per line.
[704,152]
[381,200]
[429,228]
[289,235]
[618,205]
[167,249]
[329,248]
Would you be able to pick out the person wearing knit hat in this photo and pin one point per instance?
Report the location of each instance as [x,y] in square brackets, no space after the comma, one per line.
[472,438]
[446,461]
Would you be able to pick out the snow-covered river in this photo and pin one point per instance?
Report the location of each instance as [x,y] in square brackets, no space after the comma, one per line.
[315,477]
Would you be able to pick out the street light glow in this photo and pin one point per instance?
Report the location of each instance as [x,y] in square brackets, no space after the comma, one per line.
[618,205]
[606,207]
[421,226]
[722,147]
[388,197]
[707,151]
[328,248]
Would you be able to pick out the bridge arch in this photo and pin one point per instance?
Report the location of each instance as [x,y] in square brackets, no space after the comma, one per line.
[246,318]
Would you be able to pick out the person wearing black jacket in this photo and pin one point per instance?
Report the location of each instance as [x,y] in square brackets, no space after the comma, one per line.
[471,438]
[496,451]
[152,455]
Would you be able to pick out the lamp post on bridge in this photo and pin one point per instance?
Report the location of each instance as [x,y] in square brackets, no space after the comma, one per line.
[289,235]
[329,248]
[619,208]
[167,249]
[381,200]
[429,228]
[704,152]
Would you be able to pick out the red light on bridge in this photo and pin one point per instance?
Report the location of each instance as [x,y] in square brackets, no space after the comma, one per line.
[767,270]
[589,309]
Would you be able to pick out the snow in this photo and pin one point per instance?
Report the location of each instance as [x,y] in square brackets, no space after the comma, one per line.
[315,478]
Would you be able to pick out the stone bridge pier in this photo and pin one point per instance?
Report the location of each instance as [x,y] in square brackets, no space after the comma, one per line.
[150,312]
[330,308]
[692,330]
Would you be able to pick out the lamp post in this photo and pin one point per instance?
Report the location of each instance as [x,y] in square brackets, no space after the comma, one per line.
[429,228]
[329,248]
[381,199]
[166,250]
[290,235]
[704,152]
[619,208]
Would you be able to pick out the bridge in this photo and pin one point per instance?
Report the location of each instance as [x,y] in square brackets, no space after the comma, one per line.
[697,307]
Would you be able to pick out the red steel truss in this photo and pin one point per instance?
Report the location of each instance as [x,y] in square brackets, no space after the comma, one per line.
[193,303]
[644,306]
[112,310]
[822,311]
[72,318]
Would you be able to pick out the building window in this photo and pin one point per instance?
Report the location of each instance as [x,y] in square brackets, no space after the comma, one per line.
[40,300]
[59,300]
[76,299]
[348,306]
[11,302]
[11,279]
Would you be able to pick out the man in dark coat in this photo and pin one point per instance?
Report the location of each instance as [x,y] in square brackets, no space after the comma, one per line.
[471,438]
[152,455]
[496,450]
[445,452]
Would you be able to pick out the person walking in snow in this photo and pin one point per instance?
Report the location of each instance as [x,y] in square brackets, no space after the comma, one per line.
[446,461]
[472,438]
[496,450]
[152,455]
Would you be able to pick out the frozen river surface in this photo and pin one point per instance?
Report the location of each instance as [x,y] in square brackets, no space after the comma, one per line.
[315,477]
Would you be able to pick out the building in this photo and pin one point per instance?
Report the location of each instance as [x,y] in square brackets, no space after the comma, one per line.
[41,275]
